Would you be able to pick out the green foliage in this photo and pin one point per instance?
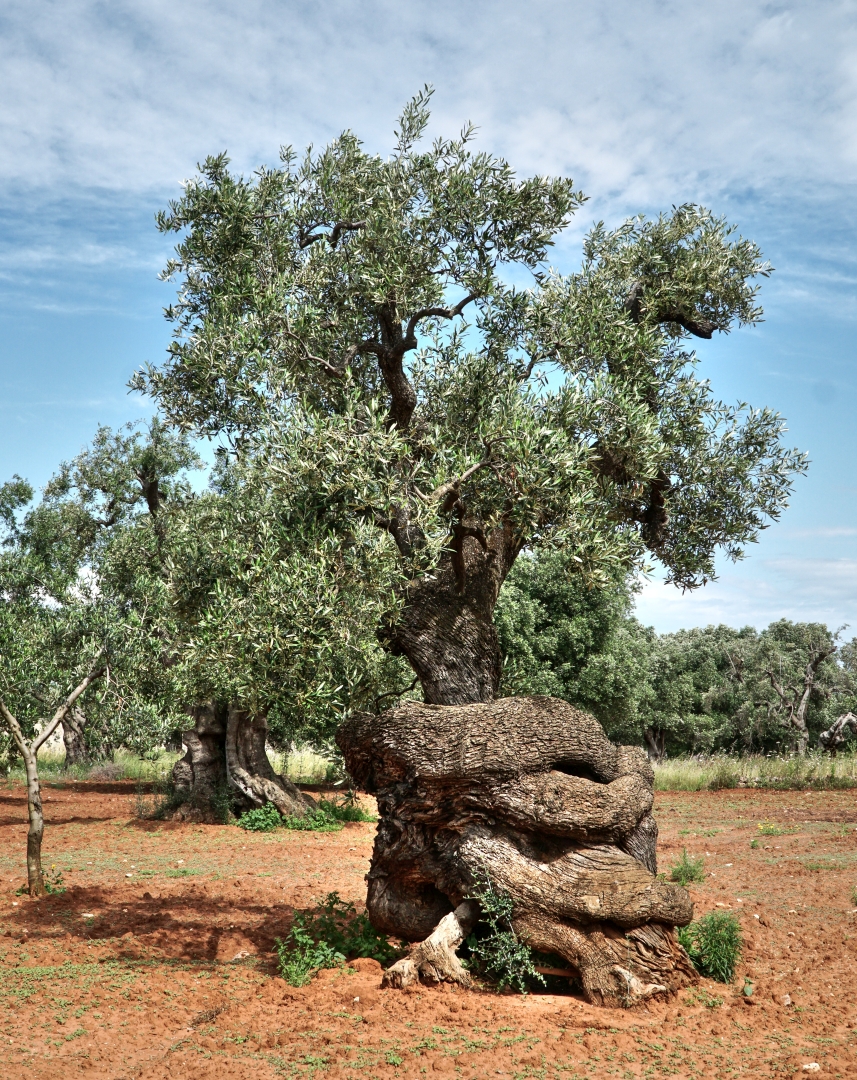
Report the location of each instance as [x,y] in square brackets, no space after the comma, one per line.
[713,944]
[319,332]
[300,956]
[688,869]
[317,820]
[700,691]
[261,819]
[328,937]
[347,809]
[769,828]
[495,952]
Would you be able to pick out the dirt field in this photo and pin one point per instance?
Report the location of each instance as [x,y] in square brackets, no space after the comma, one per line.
[156,962]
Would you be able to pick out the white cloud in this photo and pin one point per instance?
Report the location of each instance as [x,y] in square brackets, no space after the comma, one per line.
[646,101]
[802,589]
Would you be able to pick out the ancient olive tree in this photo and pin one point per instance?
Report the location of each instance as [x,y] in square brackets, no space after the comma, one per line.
[363,323]
[359,310]
[529,794]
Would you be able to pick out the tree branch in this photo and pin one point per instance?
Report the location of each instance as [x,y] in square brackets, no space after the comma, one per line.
[350,353]
[409,341]
[333,237]
[95,672]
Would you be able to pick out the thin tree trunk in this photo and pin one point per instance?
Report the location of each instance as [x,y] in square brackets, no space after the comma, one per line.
[29,751]
[36,830]
[446,629]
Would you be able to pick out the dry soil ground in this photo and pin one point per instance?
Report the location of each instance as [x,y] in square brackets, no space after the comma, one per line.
[156,962]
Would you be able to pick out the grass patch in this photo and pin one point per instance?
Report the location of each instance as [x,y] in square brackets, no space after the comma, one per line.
[718,772]
[713,944]
[688,869]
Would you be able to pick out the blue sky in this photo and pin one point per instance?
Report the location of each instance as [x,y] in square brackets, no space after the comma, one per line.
[750,108]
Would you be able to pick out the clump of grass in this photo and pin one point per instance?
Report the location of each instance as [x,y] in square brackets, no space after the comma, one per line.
[496,953]
[714,772]
[688,869]
[318,820]
[713,944]
[769,828]
[327,938]
[854,896]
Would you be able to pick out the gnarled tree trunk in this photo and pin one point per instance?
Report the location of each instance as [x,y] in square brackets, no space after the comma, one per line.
[74,739]
[225,754]
[529,793]
[446,629]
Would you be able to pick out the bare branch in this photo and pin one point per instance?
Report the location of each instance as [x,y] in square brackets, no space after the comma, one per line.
[350,353]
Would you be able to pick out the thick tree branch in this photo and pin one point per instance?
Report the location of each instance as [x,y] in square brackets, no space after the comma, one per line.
[410,342]
[333,236]
[702,328]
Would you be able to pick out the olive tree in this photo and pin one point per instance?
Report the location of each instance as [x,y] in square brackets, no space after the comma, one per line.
[365,312]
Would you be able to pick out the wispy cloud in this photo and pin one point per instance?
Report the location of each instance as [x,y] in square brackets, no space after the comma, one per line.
[803,589]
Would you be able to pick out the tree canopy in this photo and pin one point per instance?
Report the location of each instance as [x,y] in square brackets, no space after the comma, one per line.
[353,316]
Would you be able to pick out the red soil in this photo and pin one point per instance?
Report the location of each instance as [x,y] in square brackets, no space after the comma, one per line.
[156,962]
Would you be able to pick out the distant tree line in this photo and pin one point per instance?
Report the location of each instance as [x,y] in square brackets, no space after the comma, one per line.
[705,690]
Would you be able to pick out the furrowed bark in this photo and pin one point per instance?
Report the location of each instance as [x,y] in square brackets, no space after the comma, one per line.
[225,753]
[446,629]
[530,794]
[74,738]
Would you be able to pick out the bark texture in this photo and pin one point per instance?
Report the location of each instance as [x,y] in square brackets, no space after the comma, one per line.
[74,738]
[225,753]
[531,793]
[446,629]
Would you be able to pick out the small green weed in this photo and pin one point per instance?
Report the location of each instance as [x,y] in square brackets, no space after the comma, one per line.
[713,944]
[688,869]
[769,828]
[328,937]
[51,879]
[854,896]
[754,843]
[261,819]
[496,953]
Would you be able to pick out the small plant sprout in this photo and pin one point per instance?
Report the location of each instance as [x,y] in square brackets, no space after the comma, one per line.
[688,869]
[497,954]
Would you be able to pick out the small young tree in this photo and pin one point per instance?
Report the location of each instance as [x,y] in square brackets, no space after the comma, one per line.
[53,649]
[322,316]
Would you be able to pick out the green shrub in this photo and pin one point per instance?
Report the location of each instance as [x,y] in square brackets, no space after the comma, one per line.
[688,869]
[713,944]
[261,819]
[347,810]
[496,953]
[317,820]
[328,937]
